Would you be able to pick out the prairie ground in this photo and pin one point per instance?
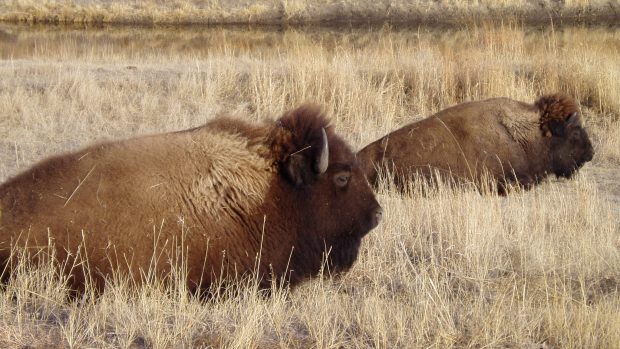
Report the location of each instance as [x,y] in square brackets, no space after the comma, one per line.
[454,268]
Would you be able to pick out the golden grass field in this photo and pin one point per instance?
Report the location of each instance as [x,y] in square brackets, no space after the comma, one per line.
[304,11]
[452,269]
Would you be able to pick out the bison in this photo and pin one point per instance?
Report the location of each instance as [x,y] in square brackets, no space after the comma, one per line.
[281,199]
[500,139]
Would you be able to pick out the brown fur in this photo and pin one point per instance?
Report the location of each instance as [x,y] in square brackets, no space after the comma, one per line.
[221,190]
[556,107]
[509,141]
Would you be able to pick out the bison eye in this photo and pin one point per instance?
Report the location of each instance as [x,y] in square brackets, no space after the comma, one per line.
[341,179]
[575,136]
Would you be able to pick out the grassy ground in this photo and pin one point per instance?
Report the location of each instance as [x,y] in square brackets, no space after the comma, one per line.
[304,11]
[452,269]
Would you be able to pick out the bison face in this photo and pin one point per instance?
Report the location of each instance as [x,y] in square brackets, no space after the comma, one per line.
[341,207]
[570,146]
[333,202]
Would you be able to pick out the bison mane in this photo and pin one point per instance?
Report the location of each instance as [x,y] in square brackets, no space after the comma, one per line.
[296,142]
[296,132]
[555,108]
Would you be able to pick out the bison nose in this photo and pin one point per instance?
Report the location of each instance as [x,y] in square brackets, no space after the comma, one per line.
[377,215]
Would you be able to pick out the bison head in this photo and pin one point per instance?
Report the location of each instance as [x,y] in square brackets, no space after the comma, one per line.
[326,192]
[570,145]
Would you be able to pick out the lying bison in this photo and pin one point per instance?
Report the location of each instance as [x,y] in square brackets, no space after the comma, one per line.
[288,194]
[502,139]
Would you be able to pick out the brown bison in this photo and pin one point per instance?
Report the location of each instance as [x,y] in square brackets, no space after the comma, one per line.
[502,139]
[288,194]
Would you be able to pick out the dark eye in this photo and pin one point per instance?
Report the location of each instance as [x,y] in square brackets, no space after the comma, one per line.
[341,179]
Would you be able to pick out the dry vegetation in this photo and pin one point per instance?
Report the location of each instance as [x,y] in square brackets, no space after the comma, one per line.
[305,11]
[451,269]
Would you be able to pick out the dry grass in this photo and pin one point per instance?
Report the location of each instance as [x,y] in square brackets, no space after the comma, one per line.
[451,269]
[304,11]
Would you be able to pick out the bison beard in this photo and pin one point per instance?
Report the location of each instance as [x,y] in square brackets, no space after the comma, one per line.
[236,190]
[337,256]
[343,253]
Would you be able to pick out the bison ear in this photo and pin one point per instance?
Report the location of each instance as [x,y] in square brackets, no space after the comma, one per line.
[558,127]
[296,169]
[303,166]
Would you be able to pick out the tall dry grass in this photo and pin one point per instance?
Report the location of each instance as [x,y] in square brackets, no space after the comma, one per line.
[304,11]
[452,268]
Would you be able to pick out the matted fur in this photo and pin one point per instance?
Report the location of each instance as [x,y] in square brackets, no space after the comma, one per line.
[501,139]
[218,194]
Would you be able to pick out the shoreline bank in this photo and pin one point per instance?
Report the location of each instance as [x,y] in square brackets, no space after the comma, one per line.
[320,13]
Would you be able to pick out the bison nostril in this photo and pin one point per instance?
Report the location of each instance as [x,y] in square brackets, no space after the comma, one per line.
[377,216]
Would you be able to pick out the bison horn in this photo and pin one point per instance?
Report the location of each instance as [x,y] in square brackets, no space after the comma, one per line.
[323,160]
[572,119]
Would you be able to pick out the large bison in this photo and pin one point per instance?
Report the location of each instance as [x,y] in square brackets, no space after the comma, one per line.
[287,193]
[502,139]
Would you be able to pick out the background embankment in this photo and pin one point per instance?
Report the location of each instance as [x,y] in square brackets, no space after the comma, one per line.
[292,12]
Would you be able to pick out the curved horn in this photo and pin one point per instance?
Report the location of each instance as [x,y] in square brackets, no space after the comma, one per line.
[323,160]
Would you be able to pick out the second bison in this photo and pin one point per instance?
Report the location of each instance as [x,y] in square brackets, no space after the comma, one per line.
[502,139]
[232,198]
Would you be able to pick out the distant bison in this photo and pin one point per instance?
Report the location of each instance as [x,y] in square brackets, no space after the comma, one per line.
[501,139]
[288,193]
